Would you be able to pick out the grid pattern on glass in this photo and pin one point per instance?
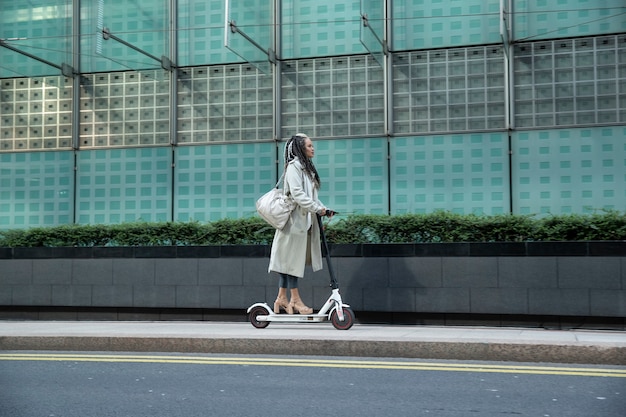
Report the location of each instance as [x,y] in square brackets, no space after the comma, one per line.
[353,174]
[222,180]
[454,90]
[35,113]
[41,28]
[458,173]
[201,40]
[373,28]
[312,28]
[249,31]
[124,109]
[36,189]
[143,24]
[569,170]
[571,82]
[123,185]
[224,103]
[419,24]
[544,19]
[333,97]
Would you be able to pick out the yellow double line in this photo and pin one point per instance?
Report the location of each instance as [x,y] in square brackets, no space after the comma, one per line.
[320,363]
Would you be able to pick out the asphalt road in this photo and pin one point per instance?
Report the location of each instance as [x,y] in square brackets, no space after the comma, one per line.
[46,384]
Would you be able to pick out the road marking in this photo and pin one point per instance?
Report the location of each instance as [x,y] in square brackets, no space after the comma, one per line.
[321,363]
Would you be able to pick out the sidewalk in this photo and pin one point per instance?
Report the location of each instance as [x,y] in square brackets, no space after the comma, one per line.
[407,341]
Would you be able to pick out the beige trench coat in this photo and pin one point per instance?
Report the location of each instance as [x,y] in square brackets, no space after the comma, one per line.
[293,246]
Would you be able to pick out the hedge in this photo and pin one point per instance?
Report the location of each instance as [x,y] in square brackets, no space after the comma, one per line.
[406,228]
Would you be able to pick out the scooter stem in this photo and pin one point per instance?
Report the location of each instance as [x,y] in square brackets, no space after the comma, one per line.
[333,281]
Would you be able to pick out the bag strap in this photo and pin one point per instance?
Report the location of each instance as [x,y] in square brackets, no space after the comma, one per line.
[280,180]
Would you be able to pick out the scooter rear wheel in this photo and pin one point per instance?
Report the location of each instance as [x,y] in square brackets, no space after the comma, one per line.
[254,313]
[348,319]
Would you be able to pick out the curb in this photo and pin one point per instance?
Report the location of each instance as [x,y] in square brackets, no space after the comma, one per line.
[480,351]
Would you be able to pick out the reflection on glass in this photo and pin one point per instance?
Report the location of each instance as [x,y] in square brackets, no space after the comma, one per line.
[248,31]
[143,30]
[39,33]
[372,33]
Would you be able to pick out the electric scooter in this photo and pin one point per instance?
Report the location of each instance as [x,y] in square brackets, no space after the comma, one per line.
[334,310]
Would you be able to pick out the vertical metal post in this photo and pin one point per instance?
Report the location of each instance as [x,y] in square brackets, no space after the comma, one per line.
[510,73]
[276,83]
[387,70]
[75,114]
[505,34]
[506,31]
[173,102]
[173,54]
[388,93]
[76,79]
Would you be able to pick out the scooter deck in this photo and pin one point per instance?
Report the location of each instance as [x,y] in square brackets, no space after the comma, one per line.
[293,318]
[260,315]
[290,318]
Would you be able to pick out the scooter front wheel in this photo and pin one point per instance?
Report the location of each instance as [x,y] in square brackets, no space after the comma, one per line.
[254,313]
[348,319]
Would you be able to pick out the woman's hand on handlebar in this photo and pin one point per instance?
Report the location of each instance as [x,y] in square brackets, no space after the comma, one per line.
[327,212]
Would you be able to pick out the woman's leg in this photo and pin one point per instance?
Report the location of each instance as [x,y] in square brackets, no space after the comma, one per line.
[292,282]
[283,281]
[281,299]
[296,302]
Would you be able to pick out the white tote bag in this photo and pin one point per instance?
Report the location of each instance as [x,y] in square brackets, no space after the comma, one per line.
[275,206]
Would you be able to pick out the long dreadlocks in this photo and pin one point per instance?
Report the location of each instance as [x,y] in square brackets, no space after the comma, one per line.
[294,148]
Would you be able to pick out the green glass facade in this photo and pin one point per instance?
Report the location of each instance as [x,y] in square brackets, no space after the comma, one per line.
[114,110]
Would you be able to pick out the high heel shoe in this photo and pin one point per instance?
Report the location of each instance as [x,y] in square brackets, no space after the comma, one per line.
[284,304]
[299,307]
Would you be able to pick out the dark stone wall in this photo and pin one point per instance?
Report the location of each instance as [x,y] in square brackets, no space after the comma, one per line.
[586,279]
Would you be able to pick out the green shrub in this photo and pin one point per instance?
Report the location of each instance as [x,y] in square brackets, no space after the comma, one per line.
[431,228]
[608,225]
[435,227]
[246,231]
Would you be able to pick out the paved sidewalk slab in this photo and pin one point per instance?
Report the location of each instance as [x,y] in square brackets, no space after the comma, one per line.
[409,341]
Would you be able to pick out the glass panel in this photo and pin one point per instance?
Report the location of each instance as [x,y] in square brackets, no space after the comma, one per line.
[541,20]
[373,28]
[224,103]
[568,170]
[464,173]
[35,113]
[248,31]
[37,29]
[139,34]
[36,189]
[419,24]
[568,87]
[354,175]
[315,28]
[123,185]
[124,109]
[333,97]
[439,84]
[222,180]
[201,33]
